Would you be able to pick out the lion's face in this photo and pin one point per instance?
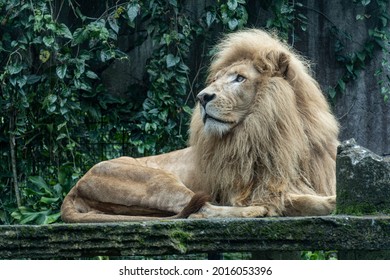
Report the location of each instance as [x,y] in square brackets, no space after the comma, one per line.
[228,99]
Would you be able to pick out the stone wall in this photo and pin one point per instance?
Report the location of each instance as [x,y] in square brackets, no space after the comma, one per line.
[362,113]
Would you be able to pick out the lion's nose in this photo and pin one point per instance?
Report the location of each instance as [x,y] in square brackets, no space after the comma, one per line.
[205,97]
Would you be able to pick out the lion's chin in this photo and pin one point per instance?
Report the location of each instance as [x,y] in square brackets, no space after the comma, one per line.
[215,127]
[207,117]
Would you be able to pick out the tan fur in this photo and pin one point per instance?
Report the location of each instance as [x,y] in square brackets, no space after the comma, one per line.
[262,143]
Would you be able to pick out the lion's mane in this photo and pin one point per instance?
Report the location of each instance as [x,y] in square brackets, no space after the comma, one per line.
[286,144]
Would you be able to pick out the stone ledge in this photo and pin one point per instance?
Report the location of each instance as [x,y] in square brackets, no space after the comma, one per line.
[61,241]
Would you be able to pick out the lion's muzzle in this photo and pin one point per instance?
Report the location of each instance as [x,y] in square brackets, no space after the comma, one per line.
[205,98]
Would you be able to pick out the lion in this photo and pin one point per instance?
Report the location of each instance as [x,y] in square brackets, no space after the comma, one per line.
[262,143]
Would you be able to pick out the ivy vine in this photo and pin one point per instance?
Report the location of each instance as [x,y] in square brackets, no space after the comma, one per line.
[377,39]
[53,99]
[45,76]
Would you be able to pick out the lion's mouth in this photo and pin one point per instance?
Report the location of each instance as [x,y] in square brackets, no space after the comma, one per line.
[207,116]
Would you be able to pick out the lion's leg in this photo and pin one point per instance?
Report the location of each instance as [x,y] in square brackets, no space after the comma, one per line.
[268,206]
[121,189]
[309,205]
[79,210]
[295,205]
[214,211]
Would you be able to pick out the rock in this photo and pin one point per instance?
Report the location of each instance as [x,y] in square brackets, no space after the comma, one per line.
[267,237]
[363,181]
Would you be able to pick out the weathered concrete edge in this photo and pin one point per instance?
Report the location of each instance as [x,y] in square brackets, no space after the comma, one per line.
[61,241]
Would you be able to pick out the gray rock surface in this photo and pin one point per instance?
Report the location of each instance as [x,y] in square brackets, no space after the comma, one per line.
[363,180]
[156,238]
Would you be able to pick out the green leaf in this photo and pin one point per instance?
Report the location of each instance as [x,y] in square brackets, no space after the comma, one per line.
[61,136]
[332,92]
[92,75]
[79,36]
[16,215]
[383,20]
[187,109]
[40,183]
[361,56]
[60,126]
[232,4]
[359,17]
[350,68]
[183,68]
[80,67]
[380,43]
[57,187]
[233,23]
[52,108]
[341,84]
[173,2]
[64,30]
[61,71]
[52,218]
[163,115]
[172,60]
[44,56]
[48,41]
[22,81]
[365,2]
[113,24]
[23,40]
[49,200]
[32,79]
[64,110]
[210,18]
[132,11]
[12,81]
[51,99]
[51,26]
[14,69]
[154,111]
[105,55]
[28,217]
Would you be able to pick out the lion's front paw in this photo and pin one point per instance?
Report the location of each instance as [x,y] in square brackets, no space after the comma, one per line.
[196,216]
[212,211]
[332,201]
[259,211]
[254,211]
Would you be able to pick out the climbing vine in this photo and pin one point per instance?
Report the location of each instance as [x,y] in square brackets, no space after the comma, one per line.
[46,80]
[55,105]
[377,39]
[288,15]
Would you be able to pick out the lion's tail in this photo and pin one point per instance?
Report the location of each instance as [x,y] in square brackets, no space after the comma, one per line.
[72,212]
[75,210]
[195,204]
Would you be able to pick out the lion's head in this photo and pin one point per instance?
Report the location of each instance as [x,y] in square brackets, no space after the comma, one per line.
[228,100]
[262,123]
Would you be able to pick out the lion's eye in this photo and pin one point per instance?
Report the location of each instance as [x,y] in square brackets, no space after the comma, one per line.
[239,79]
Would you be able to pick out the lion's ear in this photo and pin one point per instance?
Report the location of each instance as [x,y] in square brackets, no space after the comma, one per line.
[283,63]
[273,61]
